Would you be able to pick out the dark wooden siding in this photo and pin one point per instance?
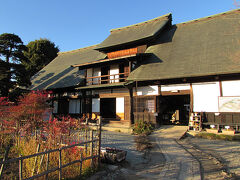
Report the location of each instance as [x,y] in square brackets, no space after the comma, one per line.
[127,108]
[63,106]
[226,118]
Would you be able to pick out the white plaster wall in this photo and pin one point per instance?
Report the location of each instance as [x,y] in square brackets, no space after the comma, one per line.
[231,88]
[120,105]
[114,69]
[96,72]
[147,90]
[96,105]
[205,97]
[74,106]
[175,87]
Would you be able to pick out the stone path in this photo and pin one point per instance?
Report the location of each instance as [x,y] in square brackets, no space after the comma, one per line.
[179,163]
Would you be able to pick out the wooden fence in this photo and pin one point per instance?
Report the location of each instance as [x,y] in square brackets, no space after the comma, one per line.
[87,144]
[145,116]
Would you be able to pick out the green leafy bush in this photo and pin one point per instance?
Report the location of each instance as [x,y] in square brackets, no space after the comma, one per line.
[142,127]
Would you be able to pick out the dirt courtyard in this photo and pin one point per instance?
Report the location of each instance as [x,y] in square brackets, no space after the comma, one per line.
[171,158]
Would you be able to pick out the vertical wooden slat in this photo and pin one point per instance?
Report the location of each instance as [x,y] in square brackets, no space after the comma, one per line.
[86,138]
[91,146]
[35,160]
[41,161]
[47,165]
[20,168]
[99,140]
[60,164]
[4,159]
[81,162]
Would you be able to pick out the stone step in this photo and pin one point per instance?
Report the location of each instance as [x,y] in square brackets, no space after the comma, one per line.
[119,122]
[117,129]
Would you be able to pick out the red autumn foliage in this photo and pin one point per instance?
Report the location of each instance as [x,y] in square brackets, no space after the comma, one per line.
[26,115]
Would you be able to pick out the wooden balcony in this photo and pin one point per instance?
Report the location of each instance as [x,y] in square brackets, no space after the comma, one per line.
[106,79]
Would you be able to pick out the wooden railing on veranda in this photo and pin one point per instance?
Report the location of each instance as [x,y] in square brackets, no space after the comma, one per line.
[59,150]
[105,79]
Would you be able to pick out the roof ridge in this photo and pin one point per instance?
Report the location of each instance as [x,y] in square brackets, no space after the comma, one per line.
[137,24]
[208,17]
[80,49]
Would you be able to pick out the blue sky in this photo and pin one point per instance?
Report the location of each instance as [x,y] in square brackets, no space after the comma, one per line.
[73,24]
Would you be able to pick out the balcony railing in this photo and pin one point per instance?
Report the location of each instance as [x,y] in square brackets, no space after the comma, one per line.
[106,79]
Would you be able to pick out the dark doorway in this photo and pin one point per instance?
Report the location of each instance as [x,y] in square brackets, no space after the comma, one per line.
[104,72]
[108,107]
[174,109]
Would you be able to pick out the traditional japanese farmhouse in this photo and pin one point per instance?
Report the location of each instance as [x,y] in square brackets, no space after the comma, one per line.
[154,71]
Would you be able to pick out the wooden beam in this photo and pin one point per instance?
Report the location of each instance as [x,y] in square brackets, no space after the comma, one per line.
[179,92]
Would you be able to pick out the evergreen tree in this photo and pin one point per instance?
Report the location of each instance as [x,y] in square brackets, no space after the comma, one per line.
[11,54]
[39,53]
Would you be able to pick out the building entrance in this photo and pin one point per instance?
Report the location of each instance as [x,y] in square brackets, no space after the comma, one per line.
[174,109]
[108,107]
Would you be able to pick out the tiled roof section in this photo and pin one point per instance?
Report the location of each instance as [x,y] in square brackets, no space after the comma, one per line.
[59,73]
[134,33]
[207,46]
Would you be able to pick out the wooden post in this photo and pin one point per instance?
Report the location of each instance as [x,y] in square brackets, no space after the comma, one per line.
[99,140]
[86,138]
[220,88]
[191,98]
[41,160]
[47,165]
[4,159]
[91,146]
[60,164]
[131,106]
[35,161]
[81,162]
[20,168]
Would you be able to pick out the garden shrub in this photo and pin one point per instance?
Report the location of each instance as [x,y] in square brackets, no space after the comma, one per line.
[142,127]
[22,120]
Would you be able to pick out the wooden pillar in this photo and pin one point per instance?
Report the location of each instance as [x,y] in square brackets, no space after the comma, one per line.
[131,105]
[220,87]
[191,98]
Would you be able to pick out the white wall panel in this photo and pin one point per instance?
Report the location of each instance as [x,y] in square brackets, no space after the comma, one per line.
[231,88]
[205,97]
[96,105]
[114,69]
[120,105]
[147,90]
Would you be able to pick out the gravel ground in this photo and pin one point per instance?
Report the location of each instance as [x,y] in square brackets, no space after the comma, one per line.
[125,142]
[138,165]
[152,164]
[228,152]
